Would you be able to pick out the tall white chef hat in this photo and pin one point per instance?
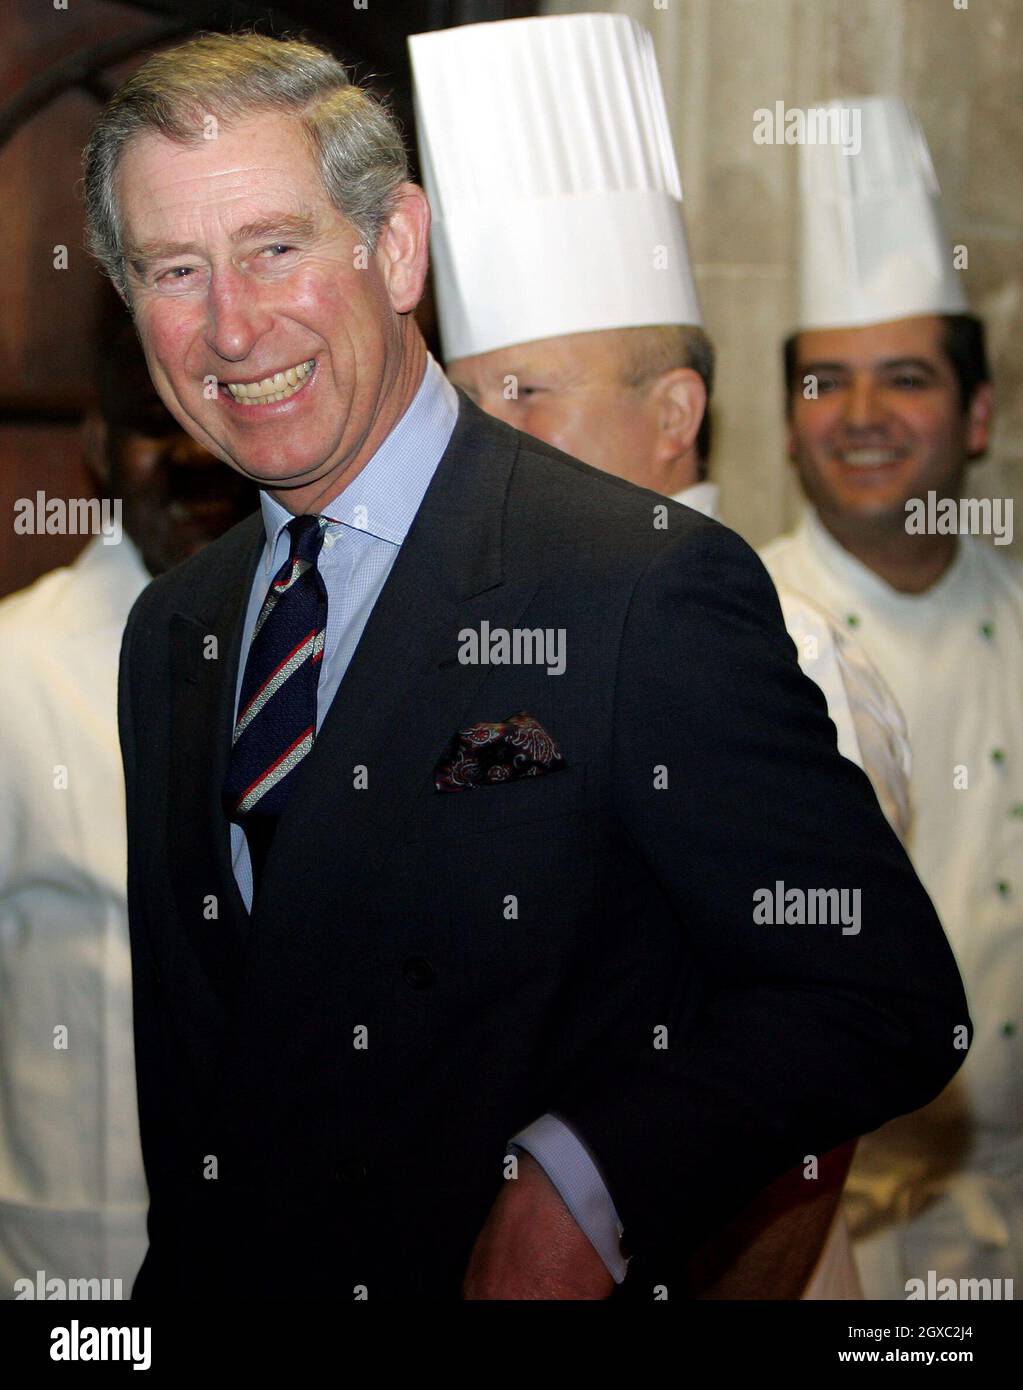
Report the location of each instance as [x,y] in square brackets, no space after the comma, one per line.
[874,243]
[547,157]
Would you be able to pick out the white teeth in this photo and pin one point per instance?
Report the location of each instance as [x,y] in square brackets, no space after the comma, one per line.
[868,458]
[272,388]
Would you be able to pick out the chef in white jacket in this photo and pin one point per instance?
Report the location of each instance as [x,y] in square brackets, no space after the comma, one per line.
[889,399]
[567,304]
[72,1189]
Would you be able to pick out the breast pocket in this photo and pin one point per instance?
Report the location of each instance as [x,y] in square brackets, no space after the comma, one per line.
[499,806]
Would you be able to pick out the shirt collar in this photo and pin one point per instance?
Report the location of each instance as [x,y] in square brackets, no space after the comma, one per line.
[834,558]
[118,575]
[384,496]
[702,497]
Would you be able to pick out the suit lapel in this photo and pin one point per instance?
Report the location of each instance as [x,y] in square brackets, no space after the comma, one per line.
[202,709]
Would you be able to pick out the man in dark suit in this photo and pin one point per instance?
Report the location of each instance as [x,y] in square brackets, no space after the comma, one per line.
[428,849]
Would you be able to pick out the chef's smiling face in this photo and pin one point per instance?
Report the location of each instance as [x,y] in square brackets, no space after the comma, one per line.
[241,270]
[887,424]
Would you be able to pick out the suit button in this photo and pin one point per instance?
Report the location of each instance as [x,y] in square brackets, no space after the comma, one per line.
[351,1171]
[419,973]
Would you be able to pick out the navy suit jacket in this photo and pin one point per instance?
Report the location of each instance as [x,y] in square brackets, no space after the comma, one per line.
[581,942]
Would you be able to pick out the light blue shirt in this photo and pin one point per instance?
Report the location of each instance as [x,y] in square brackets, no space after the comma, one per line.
[369,520]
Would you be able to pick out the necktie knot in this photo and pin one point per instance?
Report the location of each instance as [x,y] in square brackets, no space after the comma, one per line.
[307,533]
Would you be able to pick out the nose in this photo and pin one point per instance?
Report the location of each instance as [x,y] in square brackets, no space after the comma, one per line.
[862,403]
[236,321]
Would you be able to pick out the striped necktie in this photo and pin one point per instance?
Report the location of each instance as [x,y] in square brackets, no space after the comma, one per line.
[276,721]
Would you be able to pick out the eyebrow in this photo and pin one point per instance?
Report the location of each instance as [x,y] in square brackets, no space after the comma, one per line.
[921,363]
[292,225]
[556,375]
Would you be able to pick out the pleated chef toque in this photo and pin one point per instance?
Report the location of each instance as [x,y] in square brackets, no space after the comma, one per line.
[547,158]
[874,243]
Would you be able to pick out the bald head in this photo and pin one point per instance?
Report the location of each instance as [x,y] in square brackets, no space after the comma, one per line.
[631,401]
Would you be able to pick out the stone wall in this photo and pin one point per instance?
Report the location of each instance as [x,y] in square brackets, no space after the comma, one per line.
[959,65]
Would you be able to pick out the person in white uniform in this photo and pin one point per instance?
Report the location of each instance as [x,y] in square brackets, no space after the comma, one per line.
[72,1189]
[889,399]
[580,324]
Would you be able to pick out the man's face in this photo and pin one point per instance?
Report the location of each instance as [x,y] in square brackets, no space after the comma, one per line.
[887,424]
[239,269]
[569,394]
[176,496]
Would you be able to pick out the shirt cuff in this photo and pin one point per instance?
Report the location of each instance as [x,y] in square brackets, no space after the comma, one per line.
[568,1165]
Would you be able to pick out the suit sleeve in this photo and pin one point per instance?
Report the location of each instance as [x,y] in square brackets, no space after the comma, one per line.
[145,998]
[728,783]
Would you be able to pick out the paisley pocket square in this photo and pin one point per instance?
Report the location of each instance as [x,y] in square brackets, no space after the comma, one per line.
[486,754]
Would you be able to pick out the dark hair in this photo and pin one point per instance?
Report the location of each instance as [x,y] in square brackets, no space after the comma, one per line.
[963,344]
[966,349]
[127,399]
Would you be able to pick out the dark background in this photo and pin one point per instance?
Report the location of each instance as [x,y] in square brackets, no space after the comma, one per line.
[57,67]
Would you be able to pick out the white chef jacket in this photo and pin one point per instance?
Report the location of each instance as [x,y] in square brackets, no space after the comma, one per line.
[72,1191]
[871,732]
[942,1189]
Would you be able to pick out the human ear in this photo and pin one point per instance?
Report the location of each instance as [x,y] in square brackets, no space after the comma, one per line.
[402,249]
[978,419]
[95,439]
[679,399]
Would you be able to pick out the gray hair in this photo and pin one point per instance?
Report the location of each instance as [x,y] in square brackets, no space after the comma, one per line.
[352,135]
[650,351]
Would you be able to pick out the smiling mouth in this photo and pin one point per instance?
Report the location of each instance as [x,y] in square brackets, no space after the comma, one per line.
[869,458]
[272,388]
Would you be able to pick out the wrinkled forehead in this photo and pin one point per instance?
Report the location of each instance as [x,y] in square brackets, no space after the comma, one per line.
[254,167]
[591,356]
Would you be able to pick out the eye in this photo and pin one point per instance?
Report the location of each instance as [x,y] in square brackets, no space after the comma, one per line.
[176,279]
[827,382]
[909,381]
[279,248]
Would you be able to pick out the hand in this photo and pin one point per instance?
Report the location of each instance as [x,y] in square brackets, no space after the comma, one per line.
[531,1247]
